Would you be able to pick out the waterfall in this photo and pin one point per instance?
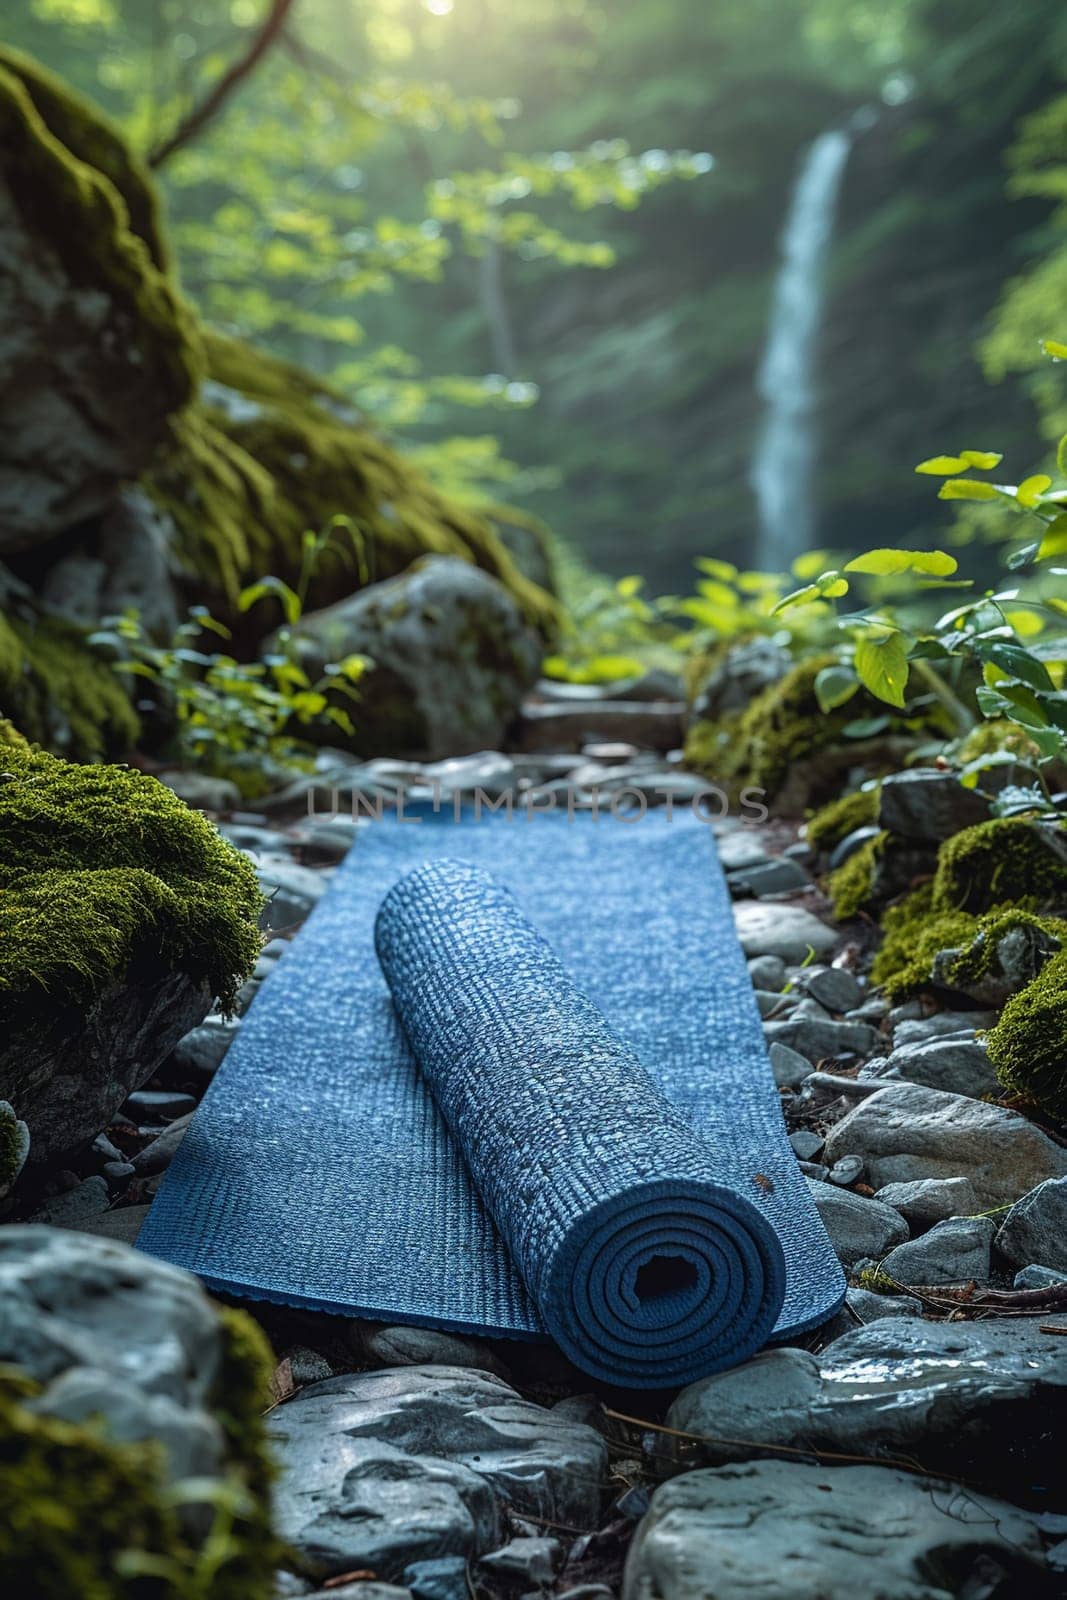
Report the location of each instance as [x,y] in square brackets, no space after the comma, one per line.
[784,459]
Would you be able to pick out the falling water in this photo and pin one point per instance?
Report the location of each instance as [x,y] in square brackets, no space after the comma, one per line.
[784,459]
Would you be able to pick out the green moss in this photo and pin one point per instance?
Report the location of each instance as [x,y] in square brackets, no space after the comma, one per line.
[246,474]
[101,863]
[838,818]
[89,1518]
[12,1147]
[852,886]
[1028,1046]
[1007,859]
[99,218]
[58,693]
[916,931]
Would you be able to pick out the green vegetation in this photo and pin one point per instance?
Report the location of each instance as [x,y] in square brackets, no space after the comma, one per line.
[1028,1046]
[101,863]
[833,821]
[90,1517]
[1007,859]
[57,694]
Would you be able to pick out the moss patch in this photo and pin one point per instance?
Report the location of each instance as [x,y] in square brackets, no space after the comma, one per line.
[99,863]
[58,693]
[270,452]
[1007,859]
[1028,1046]
[838,818]
[916,931]
[87,1517]
[852,886]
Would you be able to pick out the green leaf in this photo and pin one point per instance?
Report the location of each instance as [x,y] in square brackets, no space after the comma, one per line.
[265,587]
[1057,351]
[835,685]
[966,489]
[1023,557]
[1031,489]
[981,460]
[1054,542]
[888,563]
[628,587]
[1061,455]
[1017,661]
[723,570]
[827,587]
[865,727]
[882,665]
[942,466]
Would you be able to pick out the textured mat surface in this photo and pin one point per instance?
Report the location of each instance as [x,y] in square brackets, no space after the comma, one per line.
[658,1228]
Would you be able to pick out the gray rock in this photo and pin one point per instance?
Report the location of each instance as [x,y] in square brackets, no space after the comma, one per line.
[532,1561]
[1035,1229]
[292,891]
[769,878]
[202,792]
[452,658]
[790,1068]
[857,1226]
[832,987]
[817,1039]
[88,1199]
[877,1307]
[157,1156]
[67,1076]
[767,973]
[740,847]
[418,1347]
[439,1578]
[739,676]
[786,931]
[929,804]
[111,1333]
[652,726]
[163,1104]
[1035,1277]
[123,1224]
[201,1051]
[941,1025]
[808,1145]
[771,1005]
[848,1170]
[783,1531]
[981,1400]
[16,1140]
[1017,958]
[954,1251]
[382,1469]
[360,1589]
[958,1066]
[905,1132]
[930,1200]
[307,1366]
[845,848]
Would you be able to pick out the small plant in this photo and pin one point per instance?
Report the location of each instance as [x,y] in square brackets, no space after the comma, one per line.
[236,718]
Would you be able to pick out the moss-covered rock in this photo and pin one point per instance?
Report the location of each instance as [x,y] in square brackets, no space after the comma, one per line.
[1006,860]
[984,957]
[1028,1046]
[92,1500]
[833,821]
[122,913]
[58,693]
[270,452]
[14,1147]
[97,349]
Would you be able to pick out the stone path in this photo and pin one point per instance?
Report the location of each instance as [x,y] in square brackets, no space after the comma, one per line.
[906,1451]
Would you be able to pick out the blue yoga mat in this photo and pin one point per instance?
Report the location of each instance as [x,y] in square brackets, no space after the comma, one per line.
[511,1080]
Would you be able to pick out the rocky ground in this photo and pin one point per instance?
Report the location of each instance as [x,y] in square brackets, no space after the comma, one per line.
[910,1450]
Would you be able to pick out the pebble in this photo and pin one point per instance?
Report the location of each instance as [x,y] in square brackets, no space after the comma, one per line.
[157,1156]
[807,1145]
[415,1347]
[847,1171]
[786,931]
[790,1068]
[958,1066]
[973,1399]
[770,1004]
[439,1578]
[531,1560]
[201,1051]
[877,1307]
[739,849]
[160,1103]
[1035,1277]
[790,1531]
[292,892]
[817,1039]
[954,1251]
[769,878]
[847,847]
[832,987]
[88,1199]
[1035,1229]
[906,1132]
[942,1025]
[858,1227]
[930,1200]
[767,972]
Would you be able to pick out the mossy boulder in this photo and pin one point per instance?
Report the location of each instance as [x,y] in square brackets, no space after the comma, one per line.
[452,657]
[97,350]
[269,452]
[120,1383]
[1028,1046]
[123,913]
[832,822]
[58,693]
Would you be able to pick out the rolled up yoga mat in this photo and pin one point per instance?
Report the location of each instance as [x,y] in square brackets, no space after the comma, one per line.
[511,1080]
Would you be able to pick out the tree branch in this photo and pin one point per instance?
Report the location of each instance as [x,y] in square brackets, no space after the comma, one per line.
[213,102]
